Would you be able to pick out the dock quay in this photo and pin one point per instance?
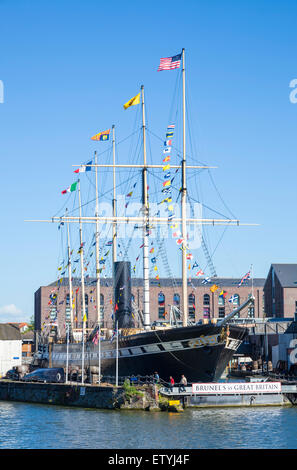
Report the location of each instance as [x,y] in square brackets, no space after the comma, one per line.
[104,396]
[150,397]
[234,394]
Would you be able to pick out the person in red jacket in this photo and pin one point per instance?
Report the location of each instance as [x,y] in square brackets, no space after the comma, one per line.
[171,383]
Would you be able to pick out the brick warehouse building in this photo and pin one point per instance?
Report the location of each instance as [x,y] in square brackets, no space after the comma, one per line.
[280,291]
[52,302]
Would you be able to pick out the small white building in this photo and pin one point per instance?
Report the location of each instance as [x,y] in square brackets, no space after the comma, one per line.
[10,347]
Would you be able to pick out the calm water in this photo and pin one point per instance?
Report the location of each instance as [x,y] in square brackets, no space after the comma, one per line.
[26,426]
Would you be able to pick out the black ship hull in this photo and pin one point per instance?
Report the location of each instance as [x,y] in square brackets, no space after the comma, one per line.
[200,352]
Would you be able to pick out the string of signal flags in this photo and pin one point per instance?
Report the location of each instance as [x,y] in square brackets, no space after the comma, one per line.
[166,63]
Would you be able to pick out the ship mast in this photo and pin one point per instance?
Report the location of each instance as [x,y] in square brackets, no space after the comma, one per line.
[97,247]
[114,225]
[81,250]
[145,209]
[69,274]
[98,296]
[184,205]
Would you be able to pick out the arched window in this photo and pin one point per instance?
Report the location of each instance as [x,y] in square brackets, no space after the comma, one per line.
[206,306]
[161,299]
[236,300]
[236,303]
[206,299]
[161,305]
[192,307]
[176,300]
[68,309]
[101,309]
[221,300]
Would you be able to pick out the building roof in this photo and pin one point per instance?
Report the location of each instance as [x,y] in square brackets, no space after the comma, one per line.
[165,282]
[28,336]
[286,273]
[9,332]
[19,325]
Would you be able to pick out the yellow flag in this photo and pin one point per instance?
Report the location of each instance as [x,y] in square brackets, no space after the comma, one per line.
[133,101]
[214,288]
[84,318]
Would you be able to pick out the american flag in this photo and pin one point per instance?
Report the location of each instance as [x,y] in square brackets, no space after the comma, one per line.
[169,63]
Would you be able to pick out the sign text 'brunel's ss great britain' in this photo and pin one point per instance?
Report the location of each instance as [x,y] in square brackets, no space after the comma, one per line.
[236,388]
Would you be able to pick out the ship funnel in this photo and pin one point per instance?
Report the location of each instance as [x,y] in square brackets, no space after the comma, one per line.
[122,293]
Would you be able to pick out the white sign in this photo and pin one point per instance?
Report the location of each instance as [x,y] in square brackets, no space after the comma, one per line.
[236,388]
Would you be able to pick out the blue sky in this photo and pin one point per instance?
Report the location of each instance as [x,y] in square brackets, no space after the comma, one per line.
[68,67]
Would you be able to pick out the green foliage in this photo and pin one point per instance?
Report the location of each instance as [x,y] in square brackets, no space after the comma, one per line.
[131,391]
[163,403]
[31,324]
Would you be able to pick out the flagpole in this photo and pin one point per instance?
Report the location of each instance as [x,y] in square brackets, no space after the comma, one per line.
[67,352]
[98,296]
[69,275]
[99,355]
[97,246]
[114,226]
[146,284]
[82,287]
[184,204]
[117,355]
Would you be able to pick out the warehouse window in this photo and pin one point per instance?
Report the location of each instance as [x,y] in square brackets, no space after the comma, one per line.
[206,299]
[101,310]
[176,300]
[192,306]
[221,312]
[236,300]
[161,306]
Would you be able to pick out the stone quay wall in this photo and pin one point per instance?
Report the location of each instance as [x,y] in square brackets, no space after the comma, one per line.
[87,396]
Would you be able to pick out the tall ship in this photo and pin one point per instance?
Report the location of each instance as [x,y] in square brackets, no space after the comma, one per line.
[134,345]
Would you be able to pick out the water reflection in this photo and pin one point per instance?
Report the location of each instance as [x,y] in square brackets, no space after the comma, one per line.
[27,426]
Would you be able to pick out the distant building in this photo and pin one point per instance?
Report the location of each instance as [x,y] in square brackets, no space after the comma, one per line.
[27,344]
[280,291]
[10,347]
[22,326]
[52,304]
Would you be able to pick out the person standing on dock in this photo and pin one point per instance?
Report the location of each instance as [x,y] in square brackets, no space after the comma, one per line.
[182,384]
[156,377]
[171,384]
